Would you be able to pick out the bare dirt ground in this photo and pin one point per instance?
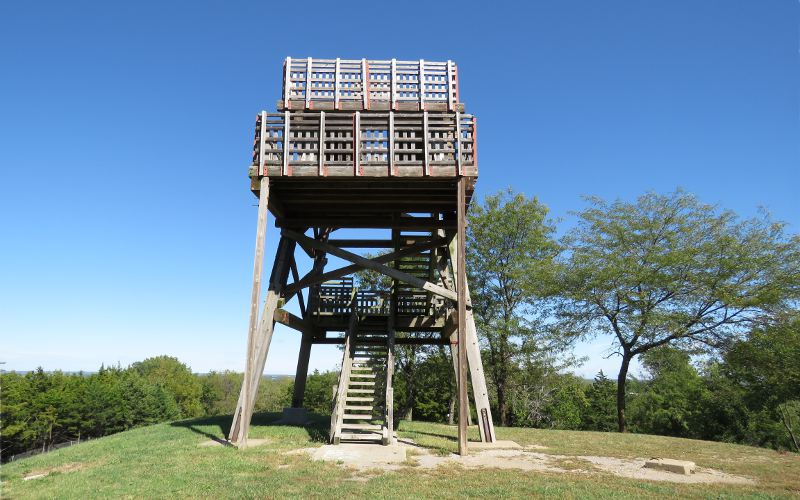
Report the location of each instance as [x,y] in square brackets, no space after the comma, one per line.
[372,459]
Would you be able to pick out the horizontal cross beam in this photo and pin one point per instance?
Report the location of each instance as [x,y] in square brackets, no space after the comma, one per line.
[286,318]
[397,340]
[375,266]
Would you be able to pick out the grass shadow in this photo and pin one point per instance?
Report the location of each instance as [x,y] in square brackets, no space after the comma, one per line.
[316,427]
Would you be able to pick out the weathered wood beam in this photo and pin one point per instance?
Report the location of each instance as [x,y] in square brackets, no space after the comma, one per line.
[375,266]
[461,287]
[312,279]
[286,318]
[398,341]
[412,224]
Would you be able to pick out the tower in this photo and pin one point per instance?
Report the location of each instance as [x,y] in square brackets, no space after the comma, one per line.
[377,147]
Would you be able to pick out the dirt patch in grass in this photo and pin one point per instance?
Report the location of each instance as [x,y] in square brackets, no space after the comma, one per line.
[61,469]
[406,455]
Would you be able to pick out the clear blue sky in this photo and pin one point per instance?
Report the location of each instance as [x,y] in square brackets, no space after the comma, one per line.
[126,223]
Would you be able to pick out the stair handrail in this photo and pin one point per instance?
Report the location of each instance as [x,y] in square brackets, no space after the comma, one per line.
[337,415]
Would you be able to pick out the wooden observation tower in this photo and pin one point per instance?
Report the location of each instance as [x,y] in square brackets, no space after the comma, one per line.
[378,145]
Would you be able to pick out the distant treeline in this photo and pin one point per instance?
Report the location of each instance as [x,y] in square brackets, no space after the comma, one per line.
[41,409]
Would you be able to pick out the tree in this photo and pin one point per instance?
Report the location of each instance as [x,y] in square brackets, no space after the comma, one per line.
[510,250]
[669,270]
[766,364]
[669,401]
[599,414]
[178,379]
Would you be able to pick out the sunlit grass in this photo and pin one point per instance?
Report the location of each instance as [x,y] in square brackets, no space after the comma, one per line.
[165,460]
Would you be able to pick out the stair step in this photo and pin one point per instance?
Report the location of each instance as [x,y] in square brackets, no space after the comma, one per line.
[356,382]
[361,391]
[357,398]
[366,427]
[370,436]
[362,375]
[358,416]
[358,408]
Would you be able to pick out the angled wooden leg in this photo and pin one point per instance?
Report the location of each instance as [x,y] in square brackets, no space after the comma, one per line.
[461,286]
[480,392]
[258,268]
[257,352]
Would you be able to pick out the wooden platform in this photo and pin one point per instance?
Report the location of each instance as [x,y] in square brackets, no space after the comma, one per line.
[362,202]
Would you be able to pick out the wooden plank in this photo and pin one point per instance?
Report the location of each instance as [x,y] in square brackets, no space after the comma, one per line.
[425,139]
[286,318]
[450,106]
[321,152]
[308,82]
[357,143]
[461,287]
[370,264]
[336,85]
[393,84]
[421,76]
[287,82]
[255,295]
[261,147]
[286,140]
[390,157]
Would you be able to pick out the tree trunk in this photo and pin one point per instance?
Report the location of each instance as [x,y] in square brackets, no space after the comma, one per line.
[621,381]
[502,405]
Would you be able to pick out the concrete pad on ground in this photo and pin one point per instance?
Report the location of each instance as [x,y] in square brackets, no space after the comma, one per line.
[497,445]
[667,464]
[360,454]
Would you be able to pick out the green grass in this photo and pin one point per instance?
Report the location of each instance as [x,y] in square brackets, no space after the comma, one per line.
[164,461]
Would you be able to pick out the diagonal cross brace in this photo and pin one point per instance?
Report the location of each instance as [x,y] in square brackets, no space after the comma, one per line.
[371,264]
[310,279]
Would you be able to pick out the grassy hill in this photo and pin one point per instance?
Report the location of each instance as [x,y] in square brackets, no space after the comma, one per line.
[165,461]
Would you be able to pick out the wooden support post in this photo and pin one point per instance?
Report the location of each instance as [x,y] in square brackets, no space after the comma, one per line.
[321,152]
[390,156]
[421,93]
[425,144]
[257,355]
[357,142]
[393,85]
[480,392]
[450,104]
[365,83]
[308,83]
[287,82]
[255,296]
[336,85]
[459,153]
[301,373]
[461,288]
[262,162]
[287,116]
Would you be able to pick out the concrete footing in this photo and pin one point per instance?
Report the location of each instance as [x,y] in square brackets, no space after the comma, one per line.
[670,465]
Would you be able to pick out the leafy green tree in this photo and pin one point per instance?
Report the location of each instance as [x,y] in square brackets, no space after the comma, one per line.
[319,391]
[510,250]
[670,270]
[669,402]
[600,407]
[767,363]
[178,379]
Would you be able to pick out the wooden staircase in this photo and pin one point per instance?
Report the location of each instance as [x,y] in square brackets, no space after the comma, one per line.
[363,401]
